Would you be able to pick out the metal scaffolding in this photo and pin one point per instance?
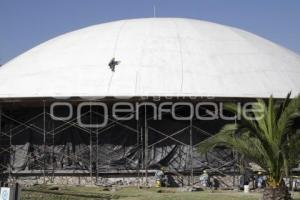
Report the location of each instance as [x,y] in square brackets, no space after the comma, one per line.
[47,131]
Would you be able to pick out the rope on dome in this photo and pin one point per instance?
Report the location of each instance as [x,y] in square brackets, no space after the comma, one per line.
[114,53]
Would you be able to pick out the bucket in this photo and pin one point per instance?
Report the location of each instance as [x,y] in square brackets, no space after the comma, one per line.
[158,184]
[246,188]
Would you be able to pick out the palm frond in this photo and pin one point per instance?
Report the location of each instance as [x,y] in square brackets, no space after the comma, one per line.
[271,139]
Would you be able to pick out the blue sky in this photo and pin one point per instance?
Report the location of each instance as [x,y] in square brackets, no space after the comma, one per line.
[26,23]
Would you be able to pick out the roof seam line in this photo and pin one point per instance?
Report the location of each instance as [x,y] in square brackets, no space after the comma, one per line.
[137,76]
[181,57]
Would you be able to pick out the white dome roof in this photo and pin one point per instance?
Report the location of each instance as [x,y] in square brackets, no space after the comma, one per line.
[159,57]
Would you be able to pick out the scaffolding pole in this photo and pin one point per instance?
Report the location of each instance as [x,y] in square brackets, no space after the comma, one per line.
[44,140]
[146,145]
[53,142]
[191,151]
[91,154]
[234,167]
[10,153]
[139,152]
[97,160]
[1,143]
[0,120]
[1,147]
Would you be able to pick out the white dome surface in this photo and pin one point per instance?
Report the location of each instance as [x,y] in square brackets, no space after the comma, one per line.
[159,57]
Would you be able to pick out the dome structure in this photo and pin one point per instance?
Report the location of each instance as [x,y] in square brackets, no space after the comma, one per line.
[157,57]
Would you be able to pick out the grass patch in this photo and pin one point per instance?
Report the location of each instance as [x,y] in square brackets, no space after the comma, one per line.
[131,193]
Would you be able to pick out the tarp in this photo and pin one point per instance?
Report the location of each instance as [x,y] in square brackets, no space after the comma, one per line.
[39,142]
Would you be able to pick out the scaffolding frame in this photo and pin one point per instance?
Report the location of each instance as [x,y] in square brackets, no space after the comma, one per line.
[141,130]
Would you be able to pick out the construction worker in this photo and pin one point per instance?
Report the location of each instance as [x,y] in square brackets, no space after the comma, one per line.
[160,177]
[261,180]
[204,179]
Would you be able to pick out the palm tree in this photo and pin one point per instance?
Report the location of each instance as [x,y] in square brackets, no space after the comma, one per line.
[270,139]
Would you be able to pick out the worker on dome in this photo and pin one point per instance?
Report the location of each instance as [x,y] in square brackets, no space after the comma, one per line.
[112,64]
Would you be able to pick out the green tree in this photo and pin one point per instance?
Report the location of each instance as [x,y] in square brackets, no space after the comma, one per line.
[271,139]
